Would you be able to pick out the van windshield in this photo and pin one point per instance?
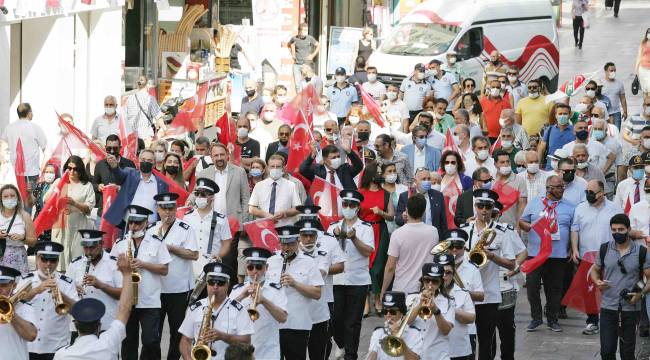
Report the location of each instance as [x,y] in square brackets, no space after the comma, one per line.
[420,39]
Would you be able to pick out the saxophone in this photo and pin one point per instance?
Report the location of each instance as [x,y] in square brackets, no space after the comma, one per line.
[60,306]
[135,275]
[201,350]
[477,255]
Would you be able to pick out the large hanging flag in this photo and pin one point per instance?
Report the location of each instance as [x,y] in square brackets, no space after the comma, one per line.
[226,133]
[325,195]
[52,213]
[174,188]
[262,233]
[109,193]
[75,138]
[299,148]
[583,295]
[372,106]
[450,193]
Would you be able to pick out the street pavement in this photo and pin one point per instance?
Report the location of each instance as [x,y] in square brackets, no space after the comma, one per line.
[607,39]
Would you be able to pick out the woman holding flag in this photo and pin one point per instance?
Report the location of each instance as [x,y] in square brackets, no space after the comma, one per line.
[50,174]
[16,230]
[453,183]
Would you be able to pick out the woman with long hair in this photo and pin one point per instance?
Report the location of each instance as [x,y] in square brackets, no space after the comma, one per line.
[173,169]
[160,153]
[257,173]
[79,197]
[16,229]
[50,174]
[643,63]
[392,185]
[452,170]
[376,208]
[471,103]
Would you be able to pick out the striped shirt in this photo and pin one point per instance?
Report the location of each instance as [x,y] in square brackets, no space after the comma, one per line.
[141,109]
[635,124]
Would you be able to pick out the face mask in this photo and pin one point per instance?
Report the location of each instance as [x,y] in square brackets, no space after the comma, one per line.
[268,116]
[372,77]
[425,185]
[637,174]
[521,169]
[340,78]
[591,197]
[255,172]
[282,99]
[533,95]
[591,93]
[109,110]
[482,155]
[494,92]
[487,185]
[568,177]
[563,119]
[582,165]
[435,187]
[391,95]
[507,144]
[250,93]
[512,78]
[505,170]
[201,202]
[335,163]
[532,168]
[582,135]
[307,249]
[363,136]
[619,238]
[452,60]
[146,167]
[420,142]
[349,213]
[307,79]
[353,120]
[49,177]
[502,122]
[495,62]
[391,178]
[275,174]
[267,99]
[598,134]
[10,203]
[581,107]
[138,234]
[456,139]
[450,169]
[242,132]
[611,75]
[646,143]
[647,169]
[172,170]
[420,76]
[160,156]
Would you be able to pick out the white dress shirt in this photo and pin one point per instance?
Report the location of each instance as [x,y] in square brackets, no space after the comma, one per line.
[433,342]
[412,336]
[625,191]
[286,197]
[14,346]
[459,345]
[151,250]
[106,346]
[201,226]
[144,194]
[231,318]
[326,254]
[103,126]
[356,265]
[640,217]
[304,270]
[419,158]
[266,327]
[180,277]
[53,329]
[105,271]
[221,178]
[471,277]
[33,141]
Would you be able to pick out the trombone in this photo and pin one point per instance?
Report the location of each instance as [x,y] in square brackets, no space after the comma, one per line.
[443,248]
[393,344]
[252,309]
[7,309]
[60,306]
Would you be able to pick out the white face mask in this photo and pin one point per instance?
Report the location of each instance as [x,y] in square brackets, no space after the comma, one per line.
[450,169]
[109,110]
[647,169]
[512,78]
[353,120]
[269,116]
[201,202]
[482,155]
[282,99]
[275,174]
[349,213]
[340,78]
[505,170]
[335,163]
[494,92]
[160,156]
[435,187]
[372,77]
[267,99]
[502,122]
[242,132]
[646,143]
[452,60]
[591,93]
[582,165]
[534,95]
[420,76]
[391,95]
[581,107]
[138,234]
[506,144]
[48,177]
[532,168]
[392,178]
[611,75]
[10,203]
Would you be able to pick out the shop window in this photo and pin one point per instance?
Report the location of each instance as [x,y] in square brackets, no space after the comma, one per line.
[233,11]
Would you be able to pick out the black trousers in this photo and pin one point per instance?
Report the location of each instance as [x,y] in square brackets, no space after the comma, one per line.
[34,356]
[330,331]
[617,6]
[349,301]
[506,327]
[149,321]
[552,272]
[578,29]
[319,338]
[612,332]
[173,306]
[486,324]
[293,344]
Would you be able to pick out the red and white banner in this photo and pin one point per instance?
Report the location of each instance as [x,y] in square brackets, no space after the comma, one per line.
[325,195]
[262,234]
[190,113]
[174,188]
[451,192]
[372,106]
[508,196]
[73,133]
[583,295]
[543,229]
[53,207]
[109,193]
[299,148]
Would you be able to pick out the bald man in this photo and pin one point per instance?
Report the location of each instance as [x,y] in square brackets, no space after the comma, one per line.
[494,65]
[252,102]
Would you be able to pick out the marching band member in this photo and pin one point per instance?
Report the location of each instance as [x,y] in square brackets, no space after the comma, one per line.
[394,304]
[301,282]
[90,313]
[179,281]
[497,253]
[435,331]
[211,228]
[460,347]
[271,304]
[52,326]
[15,333]
[329,257]
[229,323]
[96,276]
[351,287]
[150,259]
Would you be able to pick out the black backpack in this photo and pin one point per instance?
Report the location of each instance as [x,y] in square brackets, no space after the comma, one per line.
[642,254]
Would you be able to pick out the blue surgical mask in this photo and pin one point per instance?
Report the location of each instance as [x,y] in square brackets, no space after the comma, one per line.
[563,119]
[637,174]
[598,134]
[255,172]
[421,142]
[425,185]
[487,185]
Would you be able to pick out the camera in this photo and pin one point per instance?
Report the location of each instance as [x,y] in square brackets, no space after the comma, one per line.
[637,288]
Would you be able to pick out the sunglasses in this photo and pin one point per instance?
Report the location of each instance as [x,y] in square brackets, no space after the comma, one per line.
[590,88]
[533,87]
[450,162]
[448,272]
[351,205]
[112,148]
[201,194]
[392,312]
[72,168]
[252,267]
[49,260]
[457,244]
[329,130]
[621,266]
[217,282]
[482,206]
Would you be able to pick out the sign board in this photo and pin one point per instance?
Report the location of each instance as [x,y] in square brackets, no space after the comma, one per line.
[342,49]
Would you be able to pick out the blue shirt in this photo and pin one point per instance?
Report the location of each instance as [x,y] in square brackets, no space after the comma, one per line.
[557,138]
[565,213]
[341,99]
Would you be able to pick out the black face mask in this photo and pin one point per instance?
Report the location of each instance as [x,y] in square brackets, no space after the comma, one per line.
[172,170]
[284,142]
[250,93]
[114,151]
[591,197]
[620,238]
[582,135]
[307,79]
[363,136]
[568,176]
[495,62]
[146,167]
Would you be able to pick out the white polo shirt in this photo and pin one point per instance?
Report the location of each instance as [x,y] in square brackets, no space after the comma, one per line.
[471,277]
[303,269]
[598,152]
[151,250]
[180,277]
[105,271]
[230,317]
[592,224]
[53,329]
[433,342]
[356,265]
[106,346]
[33,140]
[14,346]
[640,216]
[286,197]
[201,227]
[459,344]
[266,327]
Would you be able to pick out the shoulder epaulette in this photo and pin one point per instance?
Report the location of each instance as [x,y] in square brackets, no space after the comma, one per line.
[237,286]
[237,305]
[501,227]
[327,234]
[510,227]
[113,257]
[414,327]
[25,302]
[195,304]
[336,222]
[309,255]
[275,285]
[26,276]
[156,237]
[184,225]
[189,211]
[66,279]
[119,240]
[221,215]
[76,259]
[322,253]
[378,328]
[465,224]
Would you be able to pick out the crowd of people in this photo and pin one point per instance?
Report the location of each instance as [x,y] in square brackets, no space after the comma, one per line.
[440,212]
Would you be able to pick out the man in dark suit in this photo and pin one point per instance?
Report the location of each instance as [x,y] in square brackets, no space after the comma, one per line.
[333,169]
[103,174]
[284,133]
[435,211]
[465,205]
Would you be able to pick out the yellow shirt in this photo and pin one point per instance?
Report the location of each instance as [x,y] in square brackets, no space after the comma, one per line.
[534,113]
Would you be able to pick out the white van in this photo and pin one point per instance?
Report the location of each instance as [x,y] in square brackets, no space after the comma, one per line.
[523,31]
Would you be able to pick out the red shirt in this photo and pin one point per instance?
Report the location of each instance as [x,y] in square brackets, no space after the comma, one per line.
[492,111]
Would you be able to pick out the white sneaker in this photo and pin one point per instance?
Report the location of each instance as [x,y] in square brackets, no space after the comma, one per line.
[590,329]
[338,352]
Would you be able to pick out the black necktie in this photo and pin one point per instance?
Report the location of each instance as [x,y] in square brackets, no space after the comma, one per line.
[272,202]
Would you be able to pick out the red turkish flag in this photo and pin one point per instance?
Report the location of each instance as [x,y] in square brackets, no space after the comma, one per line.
[583,295]
[508,196]
[174,188]
[236,155]
[53,207]
[226,130]
[326,221]
[628,206]
[21,179]
[262,234]
[83,141]
[182,210]
[129,141]
[190,113]
[372,106]
[543,229]
[53,3]
[298,146]
[451,192]
[450,144]
[109,193]
[325,195]
[234,225]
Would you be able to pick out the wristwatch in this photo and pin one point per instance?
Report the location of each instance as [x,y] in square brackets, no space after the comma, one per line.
[437,312]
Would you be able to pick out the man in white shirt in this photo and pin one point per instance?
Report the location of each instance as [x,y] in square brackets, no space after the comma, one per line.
[481,158]
[141,111]
[32,139]
[202,151]
[108,123]
[374,88]
[599,155]
[395,109]
[275,196]
[16,333]
[445,84]
[630,191]
[535,177]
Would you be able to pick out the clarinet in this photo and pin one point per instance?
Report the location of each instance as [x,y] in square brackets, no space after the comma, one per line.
[88,260]
[284,265]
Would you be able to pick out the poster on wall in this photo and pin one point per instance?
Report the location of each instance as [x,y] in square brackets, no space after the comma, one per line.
[342,49]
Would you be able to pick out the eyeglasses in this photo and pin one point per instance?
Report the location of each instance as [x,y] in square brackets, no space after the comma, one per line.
[448,272]
[112,148]
[201,194]
[72,168]
[351,205]
[590,88]
[469,86]
[621,266]
[49,260]
[482,206]
[533,87]
[213,282]
[252,267]
[486,180]
[392,312]
[568,171]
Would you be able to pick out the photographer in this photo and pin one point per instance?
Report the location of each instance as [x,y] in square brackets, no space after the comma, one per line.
[624,264]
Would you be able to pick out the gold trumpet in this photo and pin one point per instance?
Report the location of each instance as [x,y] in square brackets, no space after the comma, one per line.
[201,350]
[426,310]
[135,275]
[393,344]
[477,255]
[60,307]
[7,309]
[252,309]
